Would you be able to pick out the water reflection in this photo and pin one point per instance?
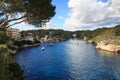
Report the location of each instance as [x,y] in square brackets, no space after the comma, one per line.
[113,60]
[107,53]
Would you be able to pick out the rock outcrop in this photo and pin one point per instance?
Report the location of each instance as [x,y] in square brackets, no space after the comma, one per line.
[12,51]
[108,47]
[91,42]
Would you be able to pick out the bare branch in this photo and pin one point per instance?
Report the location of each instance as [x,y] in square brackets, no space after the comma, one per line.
[7,21]
[1,25]
[17,23]
[16,19]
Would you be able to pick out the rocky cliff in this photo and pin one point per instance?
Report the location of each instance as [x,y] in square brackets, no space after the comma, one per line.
[109,47]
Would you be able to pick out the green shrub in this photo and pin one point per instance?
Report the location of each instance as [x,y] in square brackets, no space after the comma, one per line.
[18,43]
[2,42]
[14,68]
[12,47]
[28,42]
[3,46]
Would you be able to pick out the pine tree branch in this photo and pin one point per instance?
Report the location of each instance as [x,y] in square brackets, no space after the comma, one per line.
[16,19]
[17,23]
[6,20]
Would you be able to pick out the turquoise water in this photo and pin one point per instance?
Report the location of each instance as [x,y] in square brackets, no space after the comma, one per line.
[68,60]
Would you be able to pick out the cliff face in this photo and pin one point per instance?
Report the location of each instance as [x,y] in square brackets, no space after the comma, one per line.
[108,47]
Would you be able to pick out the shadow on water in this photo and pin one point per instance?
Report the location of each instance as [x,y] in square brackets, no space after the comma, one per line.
[107,53]
[69,60]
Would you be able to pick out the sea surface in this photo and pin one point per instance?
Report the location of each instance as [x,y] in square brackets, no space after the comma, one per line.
[68,60]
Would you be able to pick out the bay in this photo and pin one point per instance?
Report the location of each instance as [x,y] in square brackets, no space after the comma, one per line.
[68,60]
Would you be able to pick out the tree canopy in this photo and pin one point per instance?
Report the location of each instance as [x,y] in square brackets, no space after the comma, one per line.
[34,12]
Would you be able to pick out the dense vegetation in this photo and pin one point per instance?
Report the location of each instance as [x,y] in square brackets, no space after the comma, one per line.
[3,37]
[37,34]
[111,35]
[9,70]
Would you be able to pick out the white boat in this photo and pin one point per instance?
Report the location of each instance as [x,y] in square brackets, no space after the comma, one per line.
[50,44]
[43,48]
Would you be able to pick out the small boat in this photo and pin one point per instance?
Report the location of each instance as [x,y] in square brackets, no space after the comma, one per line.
[28,71]
[50,44]
[43,48]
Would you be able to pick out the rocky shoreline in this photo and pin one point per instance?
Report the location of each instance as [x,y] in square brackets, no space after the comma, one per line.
[25,46]
[108,47]
[99,45]
[105,46]
[33,45]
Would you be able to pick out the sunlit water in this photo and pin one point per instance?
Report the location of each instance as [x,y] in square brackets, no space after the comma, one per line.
[68,60]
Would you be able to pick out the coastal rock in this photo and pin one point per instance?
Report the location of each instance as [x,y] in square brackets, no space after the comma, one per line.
[91,42]
[11,51]
[108,47]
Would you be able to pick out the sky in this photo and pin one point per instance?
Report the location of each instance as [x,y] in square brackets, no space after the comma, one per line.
[75,15]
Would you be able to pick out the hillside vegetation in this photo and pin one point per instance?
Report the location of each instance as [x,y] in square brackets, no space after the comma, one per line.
[108,35]
[9,69]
